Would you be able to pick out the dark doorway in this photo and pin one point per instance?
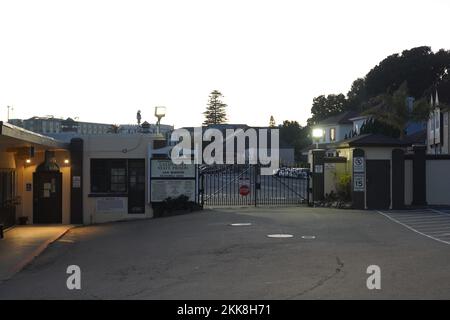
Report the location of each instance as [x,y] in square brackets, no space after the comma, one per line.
[47,197]
[7,197]
[136,186]
[378,180]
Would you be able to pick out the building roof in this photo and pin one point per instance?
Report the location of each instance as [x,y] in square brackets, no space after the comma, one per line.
[419,137]
[13,136]
[342,118]
[370,140]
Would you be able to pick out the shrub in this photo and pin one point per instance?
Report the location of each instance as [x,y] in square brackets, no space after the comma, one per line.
[343,187]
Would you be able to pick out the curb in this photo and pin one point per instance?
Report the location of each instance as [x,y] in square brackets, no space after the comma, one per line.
[18,267]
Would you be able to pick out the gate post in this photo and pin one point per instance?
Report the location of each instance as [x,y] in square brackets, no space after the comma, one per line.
[398,179]
[317,175]
[419,176]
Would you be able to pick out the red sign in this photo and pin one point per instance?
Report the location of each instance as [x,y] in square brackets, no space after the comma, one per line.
[244,190]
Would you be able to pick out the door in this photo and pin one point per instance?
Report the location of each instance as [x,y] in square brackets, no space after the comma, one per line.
[47,197]
[136,186]
[378,180]
[7,195]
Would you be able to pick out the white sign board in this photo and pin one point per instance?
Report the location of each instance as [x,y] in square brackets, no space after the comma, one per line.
[358,182]
[110,205]
[162,189]
[76,182]
[330,166]
[358,164]
[318,168]
[162,168]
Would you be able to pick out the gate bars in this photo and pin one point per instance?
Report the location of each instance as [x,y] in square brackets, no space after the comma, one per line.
[226,185]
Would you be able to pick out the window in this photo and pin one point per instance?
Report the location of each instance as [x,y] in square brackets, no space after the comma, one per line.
[108,175]
[333,134]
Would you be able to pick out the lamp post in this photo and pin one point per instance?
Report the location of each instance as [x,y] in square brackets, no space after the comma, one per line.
[160,112]
[317,134]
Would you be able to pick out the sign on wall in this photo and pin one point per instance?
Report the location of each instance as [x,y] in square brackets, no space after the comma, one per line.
[162,189]
[162,168]
[110,205]
[76,182]
[358,182]
[171,180]
[358,164]
[318,168]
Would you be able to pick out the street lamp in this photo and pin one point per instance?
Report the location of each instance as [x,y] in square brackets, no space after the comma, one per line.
[160,112]
[317,134]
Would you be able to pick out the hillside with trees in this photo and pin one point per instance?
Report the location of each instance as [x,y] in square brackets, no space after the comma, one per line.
[420,70]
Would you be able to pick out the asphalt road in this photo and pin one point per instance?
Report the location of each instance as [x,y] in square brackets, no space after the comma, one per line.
[200,256]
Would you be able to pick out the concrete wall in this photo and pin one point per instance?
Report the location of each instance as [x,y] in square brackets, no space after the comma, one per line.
[438,182]
[408,182]
[7,160]
[24,172]
[132,146]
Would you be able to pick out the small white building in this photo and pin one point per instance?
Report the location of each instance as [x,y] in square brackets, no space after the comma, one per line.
[438,134]
[337,128]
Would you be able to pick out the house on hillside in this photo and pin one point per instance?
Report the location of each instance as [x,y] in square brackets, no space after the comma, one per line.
[438,134]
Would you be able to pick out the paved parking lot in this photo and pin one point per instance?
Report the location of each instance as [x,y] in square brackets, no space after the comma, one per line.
[431,223]
[202,256]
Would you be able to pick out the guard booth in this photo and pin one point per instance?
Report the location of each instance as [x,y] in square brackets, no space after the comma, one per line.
[375,167]
[35,175]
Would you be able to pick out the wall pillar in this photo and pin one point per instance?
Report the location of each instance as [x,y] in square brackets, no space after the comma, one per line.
[419,176]
[76,181]
[318,186]
[398,179]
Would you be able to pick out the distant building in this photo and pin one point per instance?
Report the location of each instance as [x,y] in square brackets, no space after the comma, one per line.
[50,124]
[337,128]
[66,129]
[438,134]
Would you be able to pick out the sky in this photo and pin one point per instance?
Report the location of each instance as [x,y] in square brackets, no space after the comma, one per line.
[102,60]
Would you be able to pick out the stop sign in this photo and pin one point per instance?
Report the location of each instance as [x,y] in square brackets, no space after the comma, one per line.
[244,190]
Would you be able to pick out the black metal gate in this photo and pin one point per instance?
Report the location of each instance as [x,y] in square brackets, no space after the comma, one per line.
[244,185]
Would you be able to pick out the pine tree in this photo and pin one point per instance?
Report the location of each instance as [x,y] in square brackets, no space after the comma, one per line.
[272,123]
[215,111]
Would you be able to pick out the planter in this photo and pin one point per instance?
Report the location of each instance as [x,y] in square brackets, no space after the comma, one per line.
[23,220]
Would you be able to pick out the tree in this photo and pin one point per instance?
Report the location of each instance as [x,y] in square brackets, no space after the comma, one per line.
[114,128]
[392,109]
[292,134]
[327,106]
[215,111]
[272,123]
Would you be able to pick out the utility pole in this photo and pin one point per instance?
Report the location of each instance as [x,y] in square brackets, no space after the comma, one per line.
[12,109]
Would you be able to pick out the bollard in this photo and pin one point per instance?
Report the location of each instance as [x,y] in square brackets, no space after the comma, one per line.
[1,231]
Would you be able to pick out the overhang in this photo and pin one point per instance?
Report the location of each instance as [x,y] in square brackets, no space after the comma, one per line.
[13,138]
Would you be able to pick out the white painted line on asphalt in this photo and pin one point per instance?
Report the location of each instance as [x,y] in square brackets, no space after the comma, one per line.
[428,219]
[280,235]
[426,223]
[440,212]
[241,224]
[412,229]
[308,237]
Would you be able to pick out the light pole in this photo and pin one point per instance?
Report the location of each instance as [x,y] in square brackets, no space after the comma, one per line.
[160,112]
[317,134]
[9,108]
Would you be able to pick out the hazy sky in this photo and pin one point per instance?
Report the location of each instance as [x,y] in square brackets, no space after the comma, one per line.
[104,60]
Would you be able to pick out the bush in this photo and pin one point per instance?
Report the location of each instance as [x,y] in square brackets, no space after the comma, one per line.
[169,205]
[344,187]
